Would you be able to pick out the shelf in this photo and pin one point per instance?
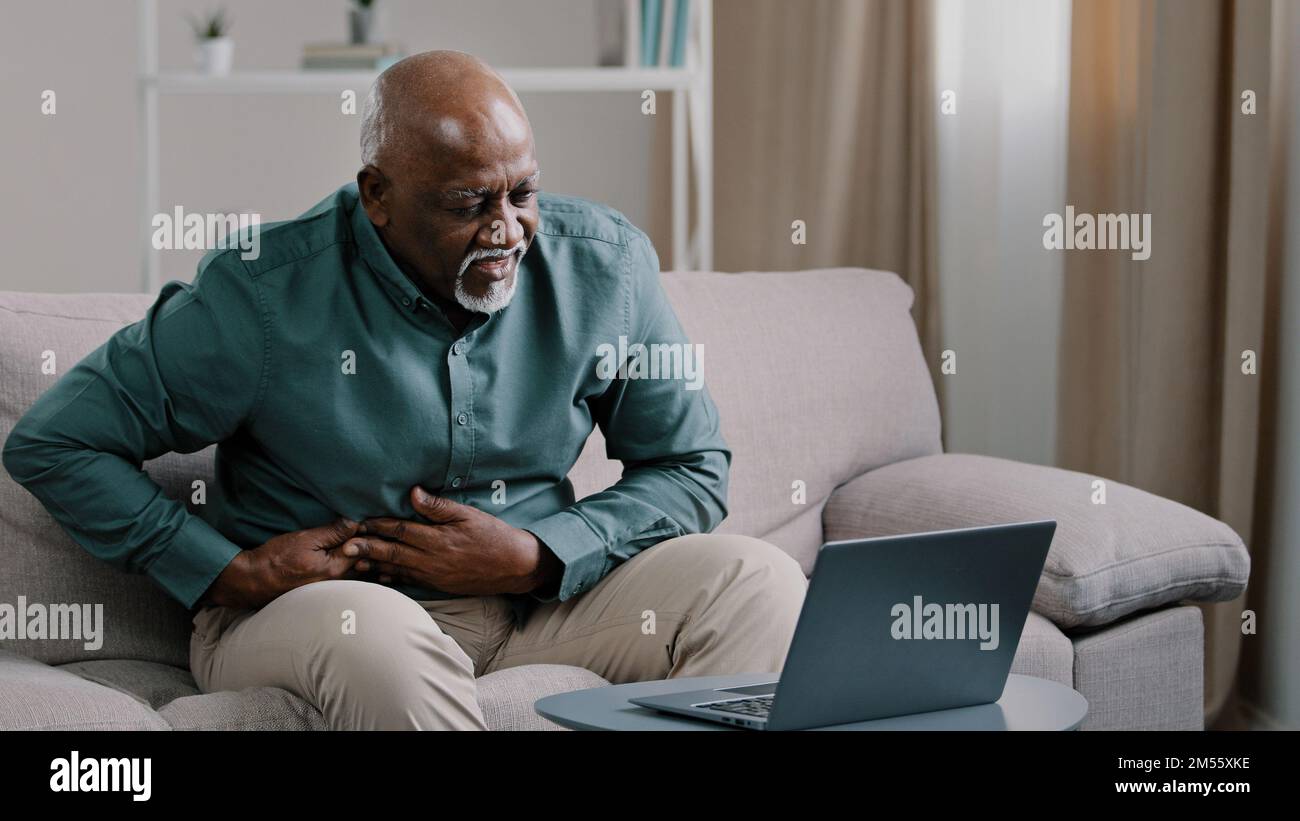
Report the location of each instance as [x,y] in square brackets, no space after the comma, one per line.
[691,184]
[296,81]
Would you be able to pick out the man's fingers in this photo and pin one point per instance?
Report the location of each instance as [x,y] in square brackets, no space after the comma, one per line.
[338,566]
[390,573]
[334,533]
[399,530]
[374,549]
[434,508]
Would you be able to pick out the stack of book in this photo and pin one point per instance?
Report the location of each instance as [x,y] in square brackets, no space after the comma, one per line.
[348,57]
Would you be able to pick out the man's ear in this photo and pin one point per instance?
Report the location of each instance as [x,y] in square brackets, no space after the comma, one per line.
[373,185]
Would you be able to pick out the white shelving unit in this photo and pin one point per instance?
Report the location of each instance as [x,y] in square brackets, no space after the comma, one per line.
[691,89]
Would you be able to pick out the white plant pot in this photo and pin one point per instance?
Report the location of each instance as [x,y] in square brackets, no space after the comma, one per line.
[365,25]
[215,56]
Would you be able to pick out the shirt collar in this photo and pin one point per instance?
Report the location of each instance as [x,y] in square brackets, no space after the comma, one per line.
[375,254]
[398,285]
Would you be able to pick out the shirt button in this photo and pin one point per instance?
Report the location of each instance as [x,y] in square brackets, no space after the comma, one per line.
[458,348]
[456,482]
[406,300]
[462,419]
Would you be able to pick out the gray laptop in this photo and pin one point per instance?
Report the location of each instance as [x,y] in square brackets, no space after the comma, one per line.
[893,626]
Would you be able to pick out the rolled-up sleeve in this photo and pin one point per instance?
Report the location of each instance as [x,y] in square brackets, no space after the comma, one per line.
[664,429]
[186,376]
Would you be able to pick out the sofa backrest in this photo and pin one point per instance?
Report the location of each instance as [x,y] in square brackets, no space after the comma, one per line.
[818,377]
[38,561]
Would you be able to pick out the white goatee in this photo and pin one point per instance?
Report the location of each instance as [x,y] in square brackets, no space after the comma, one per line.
[499,292]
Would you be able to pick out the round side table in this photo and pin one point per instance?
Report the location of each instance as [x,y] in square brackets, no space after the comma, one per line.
[1027,703]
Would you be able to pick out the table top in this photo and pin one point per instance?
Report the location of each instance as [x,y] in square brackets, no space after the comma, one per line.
[1027,703]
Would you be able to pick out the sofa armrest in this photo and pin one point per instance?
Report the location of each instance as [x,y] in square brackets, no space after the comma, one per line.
[1135,551]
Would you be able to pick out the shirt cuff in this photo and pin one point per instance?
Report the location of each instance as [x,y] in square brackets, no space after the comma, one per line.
[579,548]
[192,561]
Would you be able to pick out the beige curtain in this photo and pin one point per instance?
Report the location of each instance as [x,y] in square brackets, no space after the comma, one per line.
[1152,391]
[824,113]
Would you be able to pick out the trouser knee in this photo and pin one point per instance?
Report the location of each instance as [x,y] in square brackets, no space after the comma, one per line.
[376,659]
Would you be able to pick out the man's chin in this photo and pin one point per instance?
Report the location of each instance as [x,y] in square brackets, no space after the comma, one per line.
[491,299]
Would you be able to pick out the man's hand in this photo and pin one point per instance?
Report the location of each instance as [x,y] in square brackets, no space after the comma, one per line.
[256,577]
[463,550]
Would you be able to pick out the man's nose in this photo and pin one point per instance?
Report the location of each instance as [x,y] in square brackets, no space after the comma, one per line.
[504,229]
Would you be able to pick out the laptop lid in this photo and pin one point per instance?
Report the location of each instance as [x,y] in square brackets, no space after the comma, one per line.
[906,624]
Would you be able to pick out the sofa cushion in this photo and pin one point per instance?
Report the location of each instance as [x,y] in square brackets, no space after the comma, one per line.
[254,708]
[818,377]
[507,696]
[149,682]
[35,696]
[1134,552]
[38,560]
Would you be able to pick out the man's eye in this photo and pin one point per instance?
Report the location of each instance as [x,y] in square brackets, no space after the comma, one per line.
[469,211]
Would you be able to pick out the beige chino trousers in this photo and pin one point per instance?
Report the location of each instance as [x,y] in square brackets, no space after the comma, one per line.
[369,657]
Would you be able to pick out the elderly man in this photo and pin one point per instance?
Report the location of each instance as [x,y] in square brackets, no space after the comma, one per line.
[398,385]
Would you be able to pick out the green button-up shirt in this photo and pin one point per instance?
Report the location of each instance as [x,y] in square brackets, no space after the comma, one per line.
[332,385]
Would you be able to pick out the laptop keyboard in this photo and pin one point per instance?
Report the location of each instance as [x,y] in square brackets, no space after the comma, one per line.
[756,707]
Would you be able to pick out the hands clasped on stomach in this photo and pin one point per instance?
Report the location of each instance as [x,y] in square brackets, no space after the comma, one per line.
[462,550]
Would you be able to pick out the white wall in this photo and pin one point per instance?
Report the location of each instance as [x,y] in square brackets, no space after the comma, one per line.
[69,220]
[1002,160]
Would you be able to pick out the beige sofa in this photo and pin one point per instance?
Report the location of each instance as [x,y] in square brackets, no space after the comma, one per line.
[823,392]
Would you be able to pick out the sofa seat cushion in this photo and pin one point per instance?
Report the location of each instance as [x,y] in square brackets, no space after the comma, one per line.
[506,696]
[36,696]
[1136,551]
[156,685]
[254,708]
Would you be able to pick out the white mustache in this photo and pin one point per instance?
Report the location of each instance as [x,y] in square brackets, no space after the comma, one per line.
[490,253]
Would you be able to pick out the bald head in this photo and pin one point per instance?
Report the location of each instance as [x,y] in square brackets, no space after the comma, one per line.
[431,98]
[449,178]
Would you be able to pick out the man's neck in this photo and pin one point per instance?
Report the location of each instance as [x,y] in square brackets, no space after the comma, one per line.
[456,313]
[459,320]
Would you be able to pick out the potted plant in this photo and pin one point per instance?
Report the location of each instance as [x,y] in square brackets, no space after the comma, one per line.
[363,21]
[216,51]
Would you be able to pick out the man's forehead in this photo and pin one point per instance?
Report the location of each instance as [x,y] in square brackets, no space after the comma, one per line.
[439,165]
[492,118]
[451,144]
